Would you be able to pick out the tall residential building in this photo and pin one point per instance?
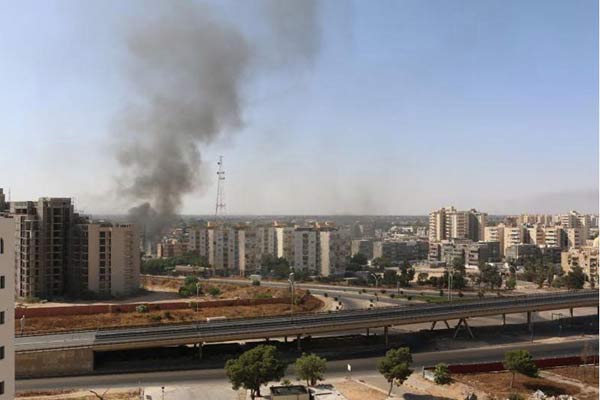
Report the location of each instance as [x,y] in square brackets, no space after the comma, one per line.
[285,242]
[575,237]
[113,259]
[43,248]
[7,307]
[305,249]
[482,252]
[495,234]
[248,246]
[198,241]
[266,240]
[575,220]
[535,219]
[449,223]
[513,235]
[534,235]
[334,250]
[555,236]
[168,248]
[223,255]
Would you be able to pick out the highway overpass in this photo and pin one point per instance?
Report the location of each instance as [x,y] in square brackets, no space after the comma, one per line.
[307,324]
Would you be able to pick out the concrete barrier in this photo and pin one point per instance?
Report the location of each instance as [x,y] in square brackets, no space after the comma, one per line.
[59,362]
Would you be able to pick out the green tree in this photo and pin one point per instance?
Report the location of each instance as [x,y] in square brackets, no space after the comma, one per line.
[395,366]
[575,278]
[490,276]
[310,368]
[390,277]
[511,283]
[255,368]
[441,374]
[458,263]
[422,278]
[519,361]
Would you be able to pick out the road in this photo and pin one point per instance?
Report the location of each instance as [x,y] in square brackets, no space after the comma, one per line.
[343,321]
[335,369]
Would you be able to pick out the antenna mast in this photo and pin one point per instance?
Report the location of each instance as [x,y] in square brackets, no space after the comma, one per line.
[220,206]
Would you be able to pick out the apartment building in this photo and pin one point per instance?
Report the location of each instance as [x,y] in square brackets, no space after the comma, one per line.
[534,235]
[399,251]
[448,251]
[305,245]
[250,243]
[362,246]
[198,241]
[284,237]
[7,306]
[482,252]
[580,222]
[266,240]
[449,223]
[495,234]
[575,237]
[584,257]
[113,258]
[43,246]
[223,253]
[513,235]
[171,248]
[535,219]
[555,236]
[521,252]
[334,250]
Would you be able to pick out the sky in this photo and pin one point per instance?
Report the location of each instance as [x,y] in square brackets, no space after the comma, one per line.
[407,106]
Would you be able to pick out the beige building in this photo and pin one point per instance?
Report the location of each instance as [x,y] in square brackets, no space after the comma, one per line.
[7,307]
[513,235]
[171,248]
[575,237]
[584,257]
[248,246]
[449,223]
[306,250]
[555,236]
[495,234]
[334,250]
[534,235]
[43,249]
[285,242]
[223,255]
[113,259]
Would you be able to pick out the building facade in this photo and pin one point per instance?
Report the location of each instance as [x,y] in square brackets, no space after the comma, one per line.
[7,307]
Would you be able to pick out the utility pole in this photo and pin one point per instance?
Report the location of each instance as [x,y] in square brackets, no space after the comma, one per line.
[291,281]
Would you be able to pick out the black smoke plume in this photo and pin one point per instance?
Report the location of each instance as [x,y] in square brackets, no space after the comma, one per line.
[187,71]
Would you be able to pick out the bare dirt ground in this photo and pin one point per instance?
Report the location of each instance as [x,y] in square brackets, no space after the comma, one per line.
[125,394]
[106,320]
[356,391]
[498,383]
[587,375]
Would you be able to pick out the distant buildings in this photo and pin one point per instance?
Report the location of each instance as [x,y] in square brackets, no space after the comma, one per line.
[401,251]
[362,246]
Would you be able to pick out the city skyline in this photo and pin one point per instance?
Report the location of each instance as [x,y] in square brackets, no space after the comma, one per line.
[402,110]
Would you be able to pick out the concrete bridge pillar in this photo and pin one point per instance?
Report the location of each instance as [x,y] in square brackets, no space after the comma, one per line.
[385,334]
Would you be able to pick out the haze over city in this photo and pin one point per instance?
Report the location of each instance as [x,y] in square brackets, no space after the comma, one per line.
[352,107]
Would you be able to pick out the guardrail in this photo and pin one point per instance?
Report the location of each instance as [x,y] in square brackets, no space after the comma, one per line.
[392,311]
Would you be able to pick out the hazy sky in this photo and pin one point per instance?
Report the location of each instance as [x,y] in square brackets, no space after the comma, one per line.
[408,106]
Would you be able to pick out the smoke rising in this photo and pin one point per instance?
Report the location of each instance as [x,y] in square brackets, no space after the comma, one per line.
[188,70]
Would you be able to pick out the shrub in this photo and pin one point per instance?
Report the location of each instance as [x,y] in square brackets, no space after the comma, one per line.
[409,298]
[441,293]
[167,315]
[441,374]
[142,308]
[255,283]
[325,295]
[460,294]
[214,291]
[263,296]
[155,317]
[392,295]
[515,396]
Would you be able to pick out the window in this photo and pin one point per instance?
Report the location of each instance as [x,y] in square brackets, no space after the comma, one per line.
[1,352]
[1,317]
[2,282]
[2,387]
[1,246]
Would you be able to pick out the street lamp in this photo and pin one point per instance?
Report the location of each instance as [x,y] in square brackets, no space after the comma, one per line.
[450,277]
[291,281]
[197,295]
[376,279]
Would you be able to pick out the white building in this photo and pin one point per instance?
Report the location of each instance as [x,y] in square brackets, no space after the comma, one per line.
[305,250]
[7,307]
